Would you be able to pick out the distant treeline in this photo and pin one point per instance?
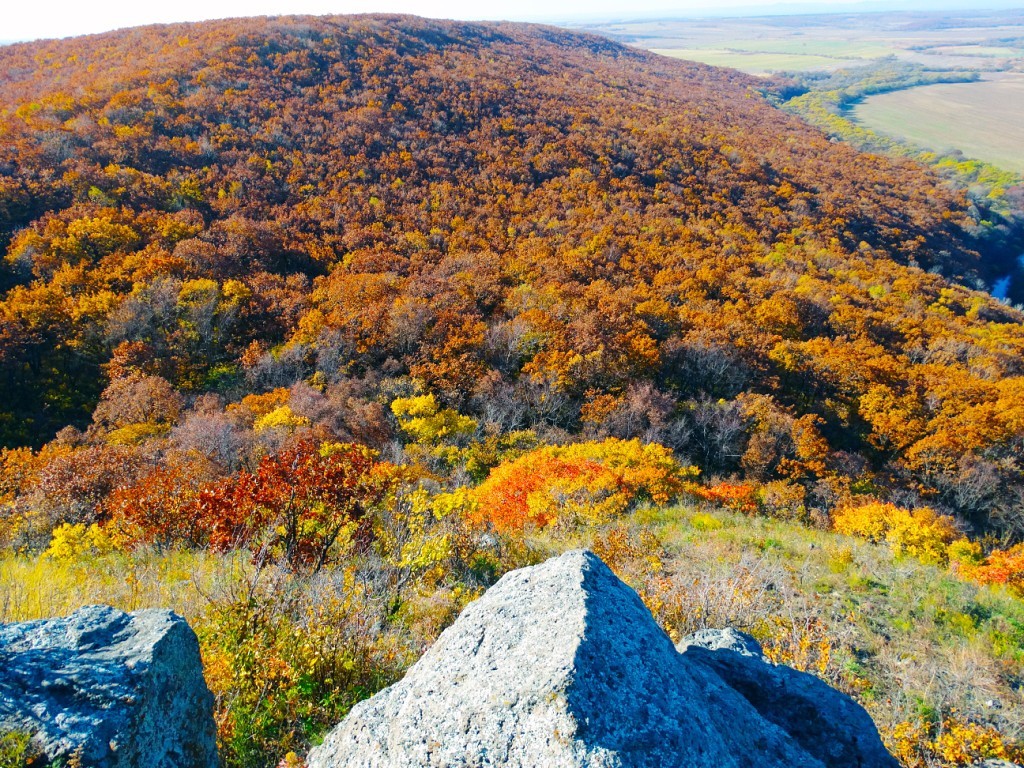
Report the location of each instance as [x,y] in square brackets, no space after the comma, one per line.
[825,99]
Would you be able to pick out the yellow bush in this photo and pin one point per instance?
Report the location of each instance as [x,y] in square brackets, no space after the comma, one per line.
[427,423]
[805,645]
[964,553]
[282,417]
[705,522]
[956,743]
[962,743]
[921,533]
[74,541]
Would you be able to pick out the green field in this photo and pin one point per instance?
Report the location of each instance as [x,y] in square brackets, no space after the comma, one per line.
[810,46]
[984,120]
[979,40]
[978,50]
[756,63]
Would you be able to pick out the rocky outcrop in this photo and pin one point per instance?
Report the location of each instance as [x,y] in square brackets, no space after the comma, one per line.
[561,664]
[827,724]
[118,690]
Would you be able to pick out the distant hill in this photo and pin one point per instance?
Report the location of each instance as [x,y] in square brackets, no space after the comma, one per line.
[545,229]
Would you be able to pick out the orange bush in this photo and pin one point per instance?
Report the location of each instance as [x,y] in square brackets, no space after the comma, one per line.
[159,509]
[591,482]
[297,504]
[740,497]
[1001,566]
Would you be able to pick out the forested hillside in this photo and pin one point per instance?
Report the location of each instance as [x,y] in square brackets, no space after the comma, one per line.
[544,230]
[312,328]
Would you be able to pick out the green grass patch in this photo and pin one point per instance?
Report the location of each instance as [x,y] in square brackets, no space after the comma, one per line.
[756,63]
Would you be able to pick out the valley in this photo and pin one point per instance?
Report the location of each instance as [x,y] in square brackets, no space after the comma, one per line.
[980,119]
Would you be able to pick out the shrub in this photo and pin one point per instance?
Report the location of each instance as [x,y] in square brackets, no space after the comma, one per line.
[71,488]
[635,554]
[782,498]
[299,505]
[286,657]
[705,522]
[739,497]
[592,482]
[1001,566]
[159,509]
[954,742]
[921,533]
[72,541]
[16,750]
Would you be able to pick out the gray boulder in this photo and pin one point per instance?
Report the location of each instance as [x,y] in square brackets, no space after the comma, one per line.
[828,724]
[727,639]
[561,665]
[117,690]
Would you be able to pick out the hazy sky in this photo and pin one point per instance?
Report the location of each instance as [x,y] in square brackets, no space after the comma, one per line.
[30,19]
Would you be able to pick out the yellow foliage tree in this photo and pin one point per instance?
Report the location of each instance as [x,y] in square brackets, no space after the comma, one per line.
[427,423]
[283,418]
[921,533]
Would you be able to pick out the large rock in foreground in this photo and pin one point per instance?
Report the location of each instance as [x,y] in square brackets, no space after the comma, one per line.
[118,690]
[562,665]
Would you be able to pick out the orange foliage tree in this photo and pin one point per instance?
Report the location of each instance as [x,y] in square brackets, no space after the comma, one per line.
[591,482]
[297,504]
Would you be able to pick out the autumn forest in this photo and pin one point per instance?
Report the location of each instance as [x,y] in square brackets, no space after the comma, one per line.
[265,278]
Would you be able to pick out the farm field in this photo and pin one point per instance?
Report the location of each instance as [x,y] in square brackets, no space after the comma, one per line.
[984,120]
[755,62]
[985,41]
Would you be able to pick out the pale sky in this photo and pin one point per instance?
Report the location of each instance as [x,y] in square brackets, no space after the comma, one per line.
[32,19]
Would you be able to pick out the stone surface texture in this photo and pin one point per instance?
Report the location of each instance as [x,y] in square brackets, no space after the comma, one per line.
[118,690]
[827,724]
[562,665]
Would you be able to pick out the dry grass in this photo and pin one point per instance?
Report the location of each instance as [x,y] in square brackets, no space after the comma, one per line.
[38,588]
[910,641]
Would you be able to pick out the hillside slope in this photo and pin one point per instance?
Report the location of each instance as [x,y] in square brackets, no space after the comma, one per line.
[543,229]
[936,661]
